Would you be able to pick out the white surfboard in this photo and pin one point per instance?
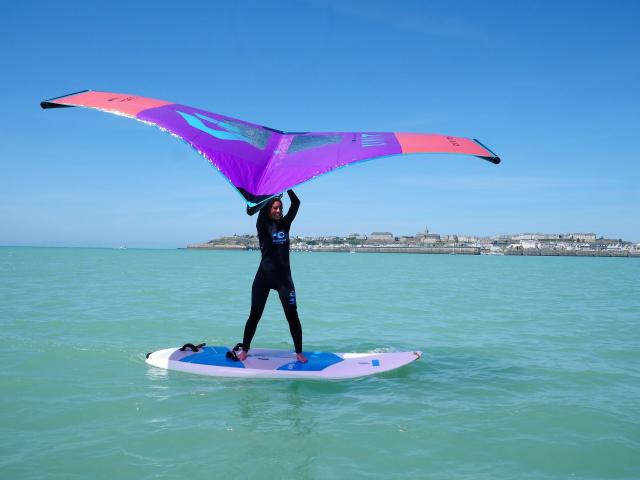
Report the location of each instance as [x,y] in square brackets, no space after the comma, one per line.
[271,363]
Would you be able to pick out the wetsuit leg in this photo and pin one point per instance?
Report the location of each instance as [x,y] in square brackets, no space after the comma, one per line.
[287,294]
[259,295]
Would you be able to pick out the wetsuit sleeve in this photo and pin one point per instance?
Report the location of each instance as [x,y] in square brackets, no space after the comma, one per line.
[262,223]
[293,209]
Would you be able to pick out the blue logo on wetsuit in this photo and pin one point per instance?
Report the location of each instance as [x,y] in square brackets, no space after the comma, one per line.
[279,238]
[292,297]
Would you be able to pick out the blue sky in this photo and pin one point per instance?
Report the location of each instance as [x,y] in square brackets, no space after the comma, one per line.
[552,87]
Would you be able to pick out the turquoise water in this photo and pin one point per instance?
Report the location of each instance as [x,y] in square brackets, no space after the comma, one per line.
[531,367]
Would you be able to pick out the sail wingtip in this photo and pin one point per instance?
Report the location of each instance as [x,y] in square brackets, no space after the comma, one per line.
[51,102]
[493,158]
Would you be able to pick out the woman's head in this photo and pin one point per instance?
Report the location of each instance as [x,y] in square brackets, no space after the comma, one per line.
[274,208]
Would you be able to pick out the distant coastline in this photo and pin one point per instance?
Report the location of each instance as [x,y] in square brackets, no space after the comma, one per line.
[527,244]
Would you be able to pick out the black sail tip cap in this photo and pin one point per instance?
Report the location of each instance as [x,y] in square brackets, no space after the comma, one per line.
[50,102]
[495,159]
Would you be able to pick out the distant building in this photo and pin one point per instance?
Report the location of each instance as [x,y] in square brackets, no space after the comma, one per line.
[427,237]
[583,237]
[357,236]
[467,239]
[528,244]
[382,236]
[537,236]
[407,240]
[501,239]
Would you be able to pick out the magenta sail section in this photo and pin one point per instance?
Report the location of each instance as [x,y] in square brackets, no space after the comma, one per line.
[261,162]
[240,150]
[301,157]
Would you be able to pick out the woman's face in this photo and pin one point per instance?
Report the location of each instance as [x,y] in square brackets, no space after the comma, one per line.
[275,212]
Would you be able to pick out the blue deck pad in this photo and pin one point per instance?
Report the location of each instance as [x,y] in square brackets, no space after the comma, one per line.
[317,361]
[216,356]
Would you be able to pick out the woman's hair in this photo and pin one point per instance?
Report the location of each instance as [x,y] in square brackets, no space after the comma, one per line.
[267,207]
[273,200]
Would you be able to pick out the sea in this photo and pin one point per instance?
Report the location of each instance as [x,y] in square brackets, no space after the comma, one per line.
[531,367]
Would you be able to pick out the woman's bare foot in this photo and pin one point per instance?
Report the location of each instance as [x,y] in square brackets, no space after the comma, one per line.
[242,355]
[301,358]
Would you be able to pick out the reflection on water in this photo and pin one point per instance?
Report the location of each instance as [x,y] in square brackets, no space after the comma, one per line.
[157,374]
[263,408]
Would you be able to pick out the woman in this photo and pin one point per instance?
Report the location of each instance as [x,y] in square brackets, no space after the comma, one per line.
[274,273]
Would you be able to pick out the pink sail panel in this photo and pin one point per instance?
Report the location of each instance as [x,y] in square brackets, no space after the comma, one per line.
[423,143]
[259,161]
[118,103]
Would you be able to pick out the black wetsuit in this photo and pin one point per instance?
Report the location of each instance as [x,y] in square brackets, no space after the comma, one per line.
[274,273]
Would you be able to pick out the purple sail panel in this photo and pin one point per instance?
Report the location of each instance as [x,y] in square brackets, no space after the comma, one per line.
[302,157]
[240,150]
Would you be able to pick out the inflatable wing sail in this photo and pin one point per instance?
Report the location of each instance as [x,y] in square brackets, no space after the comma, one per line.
[259,161]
